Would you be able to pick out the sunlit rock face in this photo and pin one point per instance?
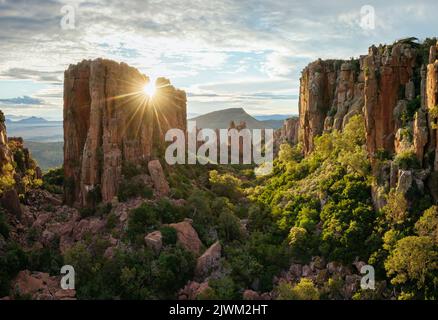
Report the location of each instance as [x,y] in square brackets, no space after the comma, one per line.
[395,88]
[110,120]
[432,98]
[331,93]
[389,80]
[288,133]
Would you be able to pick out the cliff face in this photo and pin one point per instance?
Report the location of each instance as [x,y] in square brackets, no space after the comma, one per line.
[395,88]
[288,133]
[331,92]
[389,84]
[377,85]
[109,121]
[432,100]
[15,164]
[5,152]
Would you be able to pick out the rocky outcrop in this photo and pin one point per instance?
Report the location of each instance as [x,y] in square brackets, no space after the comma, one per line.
[208,261]
[317,90]
[5,152]
[193,290]
[110,121]
[157,174]
[389,76]
[15,163]
[39,286]
[331,93]
[187,236]
[288,133]
[396,91]
[154,240]
[432,100]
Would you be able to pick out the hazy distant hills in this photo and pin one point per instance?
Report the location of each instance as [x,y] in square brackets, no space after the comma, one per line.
[221,120]
[47,154]
[43,138]
[35,129]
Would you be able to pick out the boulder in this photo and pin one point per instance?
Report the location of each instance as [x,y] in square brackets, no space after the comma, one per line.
[404,181]
[154,240]
[251,295]
[159,179]
[39,286]
[187,236]
[192,290]
[10,201]
[209,261]
[296,270]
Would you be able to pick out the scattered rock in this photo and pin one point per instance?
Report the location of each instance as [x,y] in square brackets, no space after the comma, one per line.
[187,236]
[40,286]
[159,179]
[208,261]
[154,240]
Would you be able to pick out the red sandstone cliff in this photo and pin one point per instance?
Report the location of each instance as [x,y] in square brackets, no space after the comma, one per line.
[396,90]
[109,121]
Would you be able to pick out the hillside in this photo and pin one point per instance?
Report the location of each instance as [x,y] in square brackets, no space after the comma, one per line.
[221,119]
[47,154]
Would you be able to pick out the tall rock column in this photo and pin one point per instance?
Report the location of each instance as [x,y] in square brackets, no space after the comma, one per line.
[317,89]
[109,120]
[388,74]
[432,99]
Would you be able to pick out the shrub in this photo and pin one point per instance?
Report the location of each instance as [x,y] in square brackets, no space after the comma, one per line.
[407,160]
[427,225]
[169,235]
[132,189]
[225,185]
[413,263]
[224,288]
[304,290]
[396,208]
[53,180]
[229,226]
[173,268]
[140,221]
[168,212]
[12,260]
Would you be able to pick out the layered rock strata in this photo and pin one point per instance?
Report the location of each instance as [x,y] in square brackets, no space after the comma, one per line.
[110,121]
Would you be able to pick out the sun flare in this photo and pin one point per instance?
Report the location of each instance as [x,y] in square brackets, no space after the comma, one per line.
[149,89]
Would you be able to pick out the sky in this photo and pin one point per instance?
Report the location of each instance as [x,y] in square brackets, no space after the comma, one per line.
[224,54]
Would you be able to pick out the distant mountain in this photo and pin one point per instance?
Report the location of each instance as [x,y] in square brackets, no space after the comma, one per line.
[275,124]
[12,118]
[221,119]
[32,120]
[273,117]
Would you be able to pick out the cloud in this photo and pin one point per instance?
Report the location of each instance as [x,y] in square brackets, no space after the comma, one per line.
[195,43]
[22,100]
[37,75]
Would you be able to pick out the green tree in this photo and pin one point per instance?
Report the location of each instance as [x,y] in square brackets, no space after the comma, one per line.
[304,290]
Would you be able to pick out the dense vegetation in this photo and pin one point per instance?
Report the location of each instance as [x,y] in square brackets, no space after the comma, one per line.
[320,205]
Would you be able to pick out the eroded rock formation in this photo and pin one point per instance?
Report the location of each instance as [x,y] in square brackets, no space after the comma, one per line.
[331,93]
[389,79]
[395,88]
[109,121]
[288,133]
[15,163]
